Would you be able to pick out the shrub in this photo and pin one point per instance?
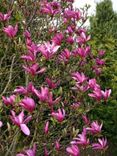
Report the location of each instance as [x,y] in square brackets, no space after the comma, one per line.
[58,84]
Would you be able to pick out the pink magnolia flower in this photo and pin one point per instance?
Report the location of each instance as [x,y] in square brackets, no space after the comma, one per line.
[97,94]
[28,152]
[46,127]
[70,30]
[83,38]
[45,96]
[51,8]
[50,100]
[20,90]
[28,104]
[97,70]
[93,84]
[30,88]
[5,17]
[46,152]
[33,48]
[51,84]
[68,14]
[25,90]
[29,57]
[55,4]
[65,56]
[79,77]
[59,115]
[9,100]
[85,119]
[75,52]
[100,62]
[21,122]
[42,94]
[27,34]
[80,31]
[1,124]
[106,94]
[82,88]
[71,14]
[58,38]
[34,69]
[11,31]
[48,50]
[28,43]
[82,52]
[57,145]
[77,15]
[70,40]
[95,127]
[47,9]
[81,139]
[73,150]
[101,53]
[101,145]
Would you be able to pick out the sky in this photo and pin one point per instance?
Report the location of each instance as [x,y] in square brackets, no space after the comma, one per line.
[81,3]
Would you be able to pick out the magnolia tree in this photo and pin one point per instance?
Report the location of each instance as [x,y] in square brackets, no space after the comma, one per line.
[49,115]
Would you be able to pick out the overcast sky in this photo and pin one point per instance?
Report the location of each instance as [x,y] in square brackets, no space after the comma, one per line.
[81,3]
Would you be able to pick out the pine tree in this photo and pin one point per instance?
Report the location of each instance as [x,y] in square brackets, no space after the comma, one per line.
[103,27]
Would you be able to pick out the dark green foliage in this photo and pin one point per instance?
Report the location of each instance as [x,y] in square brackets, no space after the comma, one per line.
[104,36]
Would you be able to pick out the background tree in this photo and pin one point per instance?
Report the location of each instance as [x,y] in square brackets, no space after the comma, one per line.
[104,35]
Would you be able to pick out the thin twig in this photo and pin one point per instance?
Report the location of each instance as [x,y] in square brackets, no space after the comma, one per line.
[32,17]
[10,76]
[13,142]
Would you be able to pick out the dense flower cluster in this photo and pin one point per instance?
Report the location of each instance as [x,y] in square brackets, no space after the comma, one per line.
[65,46]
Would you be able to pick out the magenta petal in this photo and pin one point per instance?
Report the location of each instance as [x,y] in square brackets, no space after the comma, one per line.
[20,155]
[27,119]
[69,150]
[25,129]
[1,124]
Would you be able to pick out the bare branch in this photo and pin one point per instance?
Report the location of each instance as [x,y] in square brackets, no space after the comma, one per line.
[10,76]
